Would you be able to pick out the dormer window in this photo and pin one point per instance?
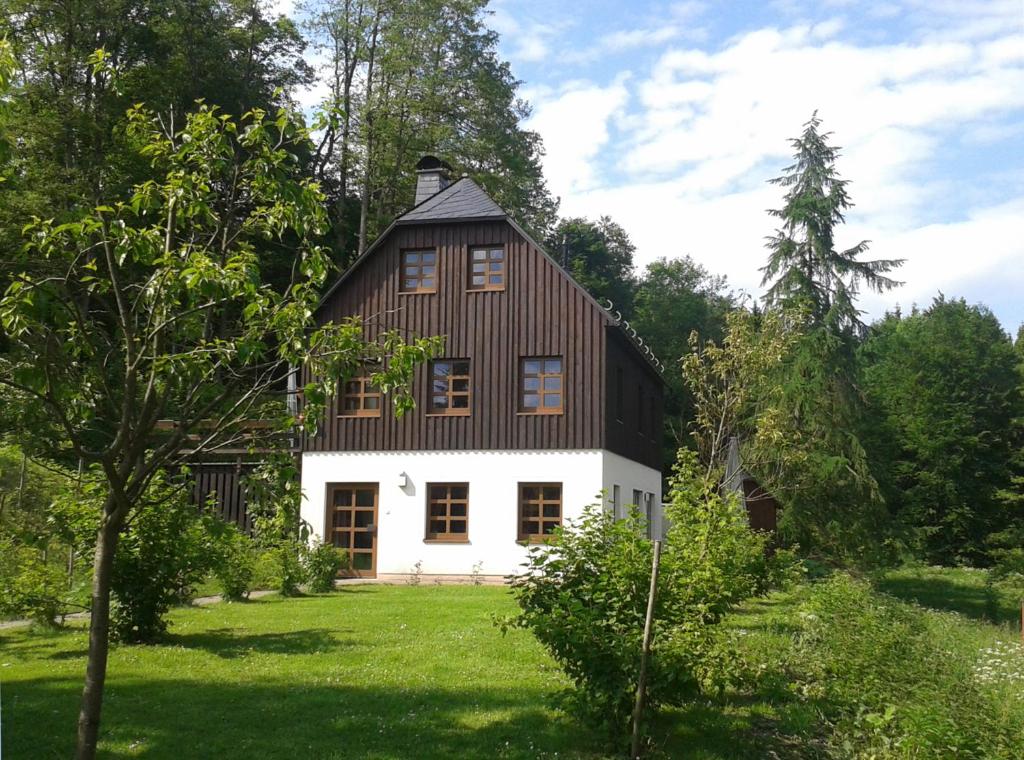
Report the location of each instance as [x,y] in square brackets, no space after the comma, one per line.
[419,271]
[487,268]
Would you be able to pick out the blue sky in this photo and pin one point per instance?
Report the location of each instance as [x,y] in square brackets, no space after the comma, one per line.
[669,117]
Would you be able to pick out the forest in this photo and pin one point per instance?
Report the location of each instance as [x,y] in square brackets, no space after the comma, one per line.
[132,132]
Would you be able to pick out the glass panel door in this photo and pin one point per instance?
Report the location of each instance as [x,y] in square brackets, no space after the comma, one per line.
[352,526]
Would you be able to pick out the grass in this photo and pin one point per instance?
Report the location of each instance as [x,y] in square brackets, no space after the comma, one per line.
[400,672]
[955,589]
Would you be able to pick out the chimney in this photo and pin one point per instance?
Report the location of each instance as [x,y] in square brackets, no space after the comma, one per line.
[431,177]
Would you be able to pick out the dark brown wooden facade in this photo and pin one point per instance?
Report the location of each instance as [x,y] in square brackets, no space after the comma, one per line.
[222,484]
[540,312]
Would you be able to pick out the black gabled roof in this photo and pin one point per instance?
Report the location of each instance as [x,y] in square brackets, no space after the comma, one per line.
[463,199]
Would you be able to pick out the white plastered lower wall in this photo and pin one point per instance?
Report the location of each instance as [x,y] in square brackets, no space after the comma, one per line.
[493,478]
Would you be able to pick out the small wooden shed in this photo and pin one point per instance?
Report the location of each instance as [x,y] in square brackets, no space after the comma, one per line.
[762,508]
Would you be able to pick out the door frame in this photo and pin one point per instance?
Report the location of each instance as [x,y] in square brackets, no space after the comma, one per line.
[351,572]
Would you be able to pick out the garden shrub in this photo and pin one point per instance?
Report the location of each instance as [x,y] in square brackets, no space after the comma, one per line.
[291,573]
[322,563]
[163,553]
[584,597]
[31,587]
[235,569]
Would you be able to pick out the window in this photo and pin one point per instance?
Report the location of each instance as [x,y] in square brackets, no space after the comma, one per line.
[616,502]
[419,271]
[487,268]
[449,386]
[638,498]
[448,512]
[649,512]
[359,398]
[541,385]
[540,510]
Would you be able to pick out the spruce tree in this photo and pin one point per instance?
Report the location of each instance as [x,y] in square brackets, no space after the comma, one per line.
[804,268]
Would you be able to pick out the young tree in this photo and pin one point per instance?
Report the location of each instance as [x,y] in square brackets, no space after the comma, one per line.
[152,336]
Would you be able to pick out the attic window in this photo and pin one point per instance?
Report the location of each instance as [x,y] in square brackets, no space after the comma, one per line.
[487,268]
[359,398]
[419,271]
[449,386]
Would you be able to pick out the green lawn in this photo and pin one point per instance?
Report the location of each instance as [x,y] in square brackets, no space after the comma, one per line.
[956,589]
[421,672]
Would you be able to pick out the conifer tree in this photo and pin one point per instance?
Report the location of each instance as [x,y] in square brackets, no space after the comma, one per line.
[804,268]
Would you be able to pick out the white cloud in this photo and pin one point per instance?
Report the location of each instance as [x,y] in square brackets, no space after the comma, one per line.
[575,126]
[699,134]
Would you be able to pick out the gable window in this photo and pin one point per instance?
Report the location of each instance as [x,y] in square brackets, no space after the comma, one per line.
[449,386]
[359,398]
[540,385]
[540,510]
[487,268]
[448,512]
[419,271]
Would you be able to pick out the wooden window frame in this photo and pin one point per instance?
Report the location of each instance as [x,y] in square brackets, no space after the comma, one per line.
[404,267]
[446,536]
[540,502]
[541,392]
[491,268]
[449,394]
[366,391]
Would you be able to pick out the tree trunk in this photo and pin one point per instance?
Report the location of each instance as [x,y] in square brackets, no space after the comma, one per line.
[99,641]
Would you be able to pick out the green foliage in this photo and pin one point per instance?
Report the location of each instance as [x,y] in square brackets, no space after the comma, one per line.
[32,587]
[322,564]
[804,270]
[675,298]
[236,564]
[585,596]
[895,680]
[945,394]
[290,570]
[599,255]
[166,550]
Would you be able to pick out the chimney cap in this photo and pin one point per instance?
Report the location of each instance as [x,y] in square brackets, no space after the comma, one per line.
[432,164]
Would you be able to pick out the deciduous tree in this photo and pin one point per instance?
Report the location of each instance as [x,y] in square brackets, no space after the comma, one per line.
[152,336]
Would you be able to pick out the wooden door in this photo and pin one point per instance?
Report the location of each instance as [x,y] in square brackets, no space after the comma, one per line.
[352,525]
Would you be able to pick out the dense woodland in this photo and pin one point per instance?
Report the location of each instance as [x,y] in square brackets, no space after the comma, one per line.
[141,127]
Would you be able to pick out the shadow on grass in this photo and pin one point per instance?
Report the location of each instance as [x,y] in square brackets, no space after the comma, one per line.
[974,601]
[186,718]
[229,643]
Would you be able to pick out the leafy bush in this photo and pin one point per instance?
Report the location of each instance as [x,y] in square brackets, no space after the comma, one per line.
[31,587]
[322,562]
[585,596]
[166,550]
[291,573]
[236,564]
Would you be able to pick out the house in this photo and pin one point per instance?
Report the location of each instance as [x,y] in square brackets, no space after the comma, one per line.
[762,508]
[542,399]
